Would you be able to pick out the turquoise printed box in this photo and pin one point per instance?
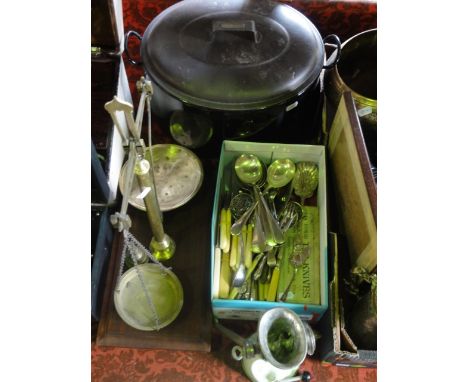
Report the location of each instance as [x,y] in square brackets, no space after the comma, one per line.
[268,152]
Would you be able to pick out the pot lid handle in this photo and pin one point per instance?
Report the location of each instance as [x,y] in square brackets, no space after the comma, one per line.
[335,57]
[246,27]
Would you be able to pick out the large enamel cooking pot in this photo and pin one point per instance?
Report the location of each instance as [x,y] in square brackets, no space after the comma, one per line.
[239,64]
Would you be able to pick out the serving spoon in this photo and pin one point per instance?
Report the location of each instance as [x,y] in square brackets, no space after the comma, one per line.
[279,174]
[249,170]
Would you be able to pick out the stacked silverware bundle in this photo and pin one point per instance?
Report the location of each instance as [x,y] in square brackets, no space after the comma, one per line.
[258,211]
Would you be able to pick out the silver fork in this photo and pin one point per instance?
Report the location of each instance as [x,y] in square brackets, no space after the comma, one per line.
[291,214]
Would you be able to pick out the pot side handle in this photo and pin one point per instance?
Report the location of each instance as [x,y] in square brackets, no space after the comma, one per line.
[127,37]
[335,57]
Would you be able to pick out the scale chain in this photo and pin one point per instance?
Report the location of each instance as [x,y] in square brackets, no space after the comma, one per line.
[131,244]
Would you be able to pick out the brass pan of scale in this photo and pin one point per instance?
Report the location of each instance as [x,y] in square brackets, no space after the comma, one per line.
[162,287]
[178,176]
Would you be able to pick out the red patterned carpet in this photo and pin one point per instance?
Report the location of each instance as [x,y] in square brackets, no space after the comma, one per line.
[110,364]
[119,364]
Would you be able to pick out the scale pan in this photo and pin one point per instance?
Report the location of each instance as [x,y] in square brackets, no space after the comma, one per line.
[178,174]
[164,289]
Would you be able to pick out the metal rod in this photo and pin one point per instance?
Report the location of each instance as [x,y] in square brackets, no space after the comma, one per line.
[129,177]
[142,171]
[233,336]
[146,88]
[139,116]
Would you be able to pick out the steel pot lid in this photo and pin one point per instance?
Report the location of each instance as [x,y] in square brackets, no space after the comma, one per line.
[232,55]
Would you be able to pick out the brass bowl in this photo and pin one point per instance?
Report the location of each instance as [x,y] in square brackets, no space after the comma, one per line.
[356,72]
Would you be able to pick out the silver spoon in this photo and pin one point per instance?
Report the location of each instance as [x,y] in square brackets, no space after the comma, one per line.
[236,228]
[259,270]
[279,174]
[258,237]
[241,273]
[249,170]
[273,233]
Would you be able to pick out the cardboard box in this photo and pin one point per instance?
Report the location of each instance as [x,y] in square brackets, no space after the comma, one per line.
[252,310]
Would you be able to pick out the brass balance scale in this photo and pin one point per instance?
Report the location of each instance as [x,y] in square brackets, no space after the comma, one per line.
[149,296]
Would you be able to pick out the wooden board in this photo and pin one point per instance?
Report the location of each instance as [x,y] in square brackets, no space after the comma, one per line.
[355,189]
[189,226]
